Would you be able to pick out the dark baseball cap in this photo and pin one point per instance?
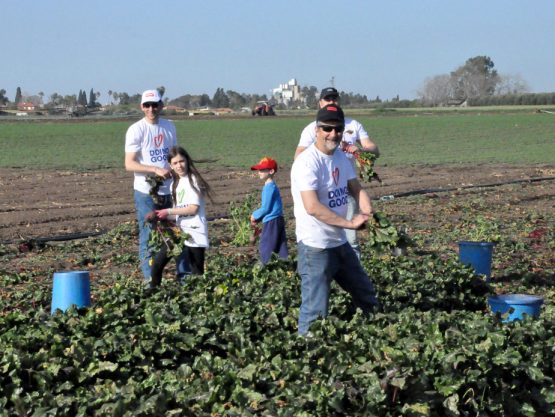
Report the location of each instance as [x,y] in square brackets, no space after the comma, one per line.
[330,113]
[327,92]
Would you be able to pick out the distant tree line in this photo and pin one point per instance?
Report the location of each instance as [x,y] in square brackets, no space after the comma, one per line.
[221,98]
[530,99]
[55,100]
[475,83]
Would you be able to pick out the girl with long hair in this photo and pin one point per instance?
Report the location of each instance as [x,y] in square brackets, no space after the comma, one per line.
[189,192]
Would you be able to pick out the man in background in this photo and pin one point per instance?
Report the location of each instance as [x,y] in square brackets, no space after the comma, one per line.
[355,138]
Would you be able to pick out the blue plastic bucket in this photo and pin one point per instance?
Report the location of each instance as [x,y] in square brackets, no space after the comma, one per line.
[72,287]
[520,303]
[478,255]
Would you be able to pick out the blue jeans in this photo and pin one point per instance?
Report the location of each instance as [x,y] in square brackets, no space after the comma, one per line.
[144,204]
[317,268]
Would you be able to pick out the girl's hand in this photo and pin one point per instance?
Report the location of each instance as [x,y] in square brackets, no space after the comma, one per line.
[150,216]
[162,214]
[253,221]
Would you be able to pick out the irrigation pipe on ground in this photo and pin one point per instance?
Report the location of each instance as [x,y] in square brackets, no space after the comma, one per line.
[39,241]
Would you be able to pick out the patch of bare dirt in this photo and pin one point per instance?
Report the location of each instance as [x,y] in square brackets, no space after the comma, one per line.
[45,203]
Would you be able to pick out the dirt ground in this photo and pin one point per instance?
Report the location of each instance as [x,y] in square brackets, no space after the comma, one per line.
[58,204]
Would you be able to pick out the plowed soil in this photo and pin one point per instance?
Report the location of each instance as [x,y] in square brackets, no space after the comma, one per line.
[45,204]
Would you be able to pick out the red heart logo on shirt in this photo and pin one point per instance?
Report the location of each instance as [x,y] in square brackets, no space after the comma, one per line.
[158,140]
[335,175]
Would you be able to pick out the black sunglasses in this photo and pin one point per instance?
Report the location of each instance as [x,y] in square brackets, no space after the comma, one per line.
[329,128]
[153,105]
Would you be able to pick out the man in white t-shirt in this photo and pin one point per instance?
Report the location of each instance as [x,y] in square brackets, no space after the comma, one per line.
[147,143]
[322,179]
[353,135]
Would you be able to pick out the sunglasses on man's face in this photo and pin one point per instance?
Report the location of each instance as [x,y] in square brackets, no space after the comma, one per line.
[329,128]
[153,105]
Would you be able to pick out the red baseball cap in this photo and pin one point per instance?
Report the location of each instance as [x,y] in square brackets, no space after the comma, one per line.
[265,163]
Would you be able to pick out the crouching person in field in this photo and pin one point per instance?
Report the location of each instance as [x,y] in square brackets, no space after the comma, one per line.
[322,179]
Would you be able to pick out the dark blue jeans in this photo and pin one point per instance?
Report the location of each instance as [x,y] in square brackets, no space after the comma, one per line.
[317,268]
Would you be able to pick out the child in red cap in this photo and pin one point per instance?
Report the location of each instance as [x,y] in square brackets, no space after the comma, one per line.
[272,238]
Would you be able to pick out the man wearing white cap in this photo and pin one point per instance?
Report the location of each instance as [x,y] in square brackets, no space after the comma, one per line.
[147,143]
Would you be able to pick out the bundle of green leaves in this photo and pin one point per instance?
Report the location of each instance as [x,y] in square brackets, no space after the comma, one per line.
[163,232]
[383,235]
[166,233]
[241,229]
[365,162]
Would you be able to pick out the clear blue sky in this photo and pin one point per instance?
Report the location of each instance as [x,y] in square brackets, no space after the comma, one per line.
[371,47]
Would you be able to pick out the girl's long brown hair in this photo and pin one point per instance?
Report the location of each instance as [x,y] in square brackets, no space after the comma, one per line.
[192,172]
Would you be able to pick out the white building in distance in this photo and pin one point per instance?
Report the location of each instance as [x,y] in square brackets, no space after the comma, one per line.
[286,93]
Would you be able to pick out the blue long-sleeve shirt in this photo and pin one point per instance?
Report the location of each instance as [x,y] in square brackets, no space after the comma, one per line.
[271,205]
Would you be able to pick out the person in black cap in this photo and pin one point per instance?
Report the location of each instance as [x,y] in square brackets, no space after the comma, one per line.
[354,138]
[322,179]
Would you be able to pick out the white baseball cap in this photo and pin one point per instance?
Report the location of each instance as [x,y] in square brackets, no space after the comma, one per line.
[151,96]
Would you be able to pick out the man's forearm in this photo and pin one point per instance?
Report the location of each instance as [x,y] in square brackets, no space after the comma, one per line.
[327,216]
[364,202]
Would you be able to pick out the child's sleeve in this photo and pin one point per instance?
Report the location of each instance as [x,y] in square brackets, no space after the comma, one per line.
[265,204]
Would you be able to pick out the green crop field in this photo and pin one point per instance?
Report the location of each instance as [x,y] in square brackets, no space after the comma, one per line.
[226,344]
[430,138]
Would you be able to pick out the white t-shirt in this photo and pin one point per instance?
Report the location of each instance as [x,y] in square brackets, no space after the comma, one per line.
[153,142]
[354,132]
[195,225]
[328,175]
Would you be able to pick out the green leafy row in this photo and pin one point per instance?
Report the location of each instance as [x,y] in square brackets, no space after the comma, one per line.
[226,344]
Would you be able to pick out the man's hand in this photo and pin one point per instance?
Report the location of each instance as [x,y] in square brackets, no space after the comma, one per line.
[359,221]
[349,148]
[162,172]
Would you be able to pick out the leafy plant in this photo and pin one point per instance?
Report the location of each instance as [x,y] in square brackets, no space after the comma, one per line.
[240,226]
[383,235]
[226,344]
[478,228]
[166,233]
[365,163]
[163,232]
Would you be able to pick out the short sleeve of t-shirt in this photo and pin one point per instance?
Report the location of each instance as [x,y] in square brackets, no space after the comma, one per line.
[305,177]
[356,128]
[308,135]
